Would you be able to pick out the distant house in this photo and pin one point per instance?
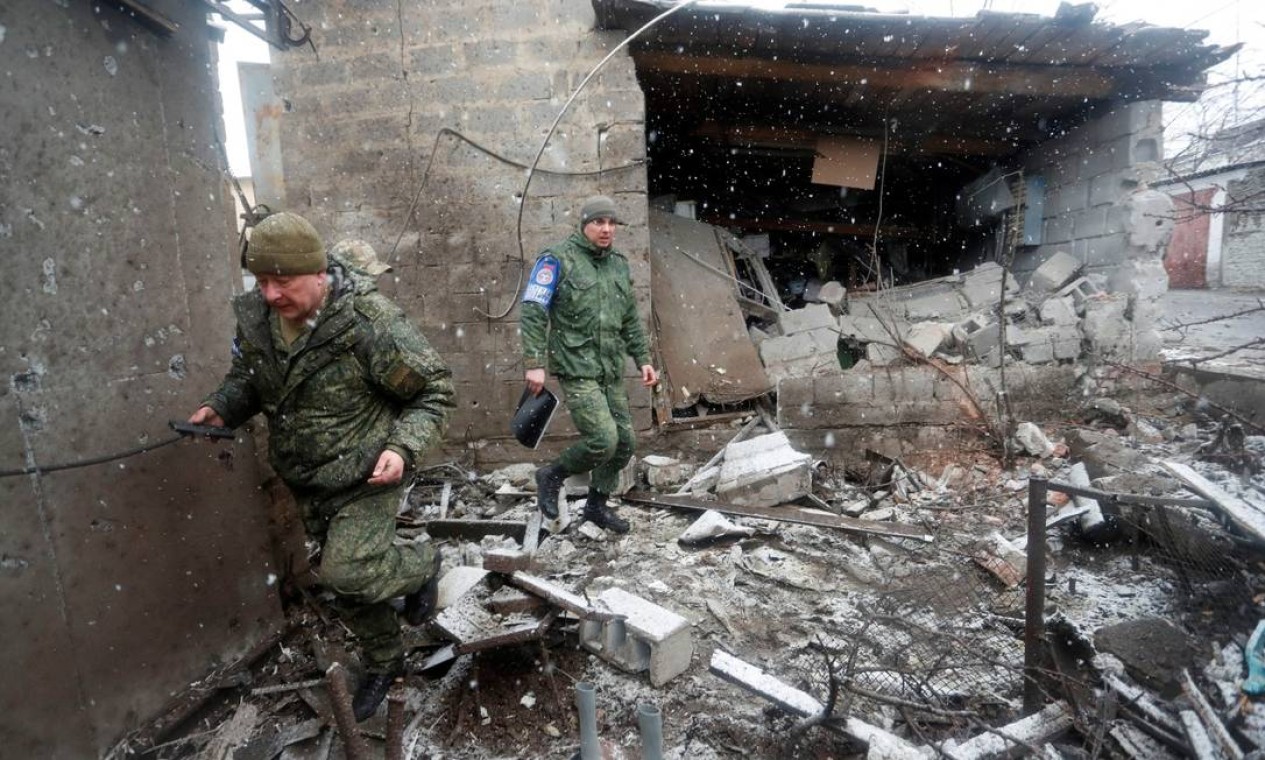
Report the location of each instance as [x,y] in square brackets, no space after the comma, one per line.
[1219,196]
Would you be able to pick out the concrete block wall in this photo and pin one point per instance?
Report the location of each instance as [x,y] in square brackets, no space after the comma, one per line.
[1091,171]
[905,410]
[370,132]
[1243,244]
[122,582]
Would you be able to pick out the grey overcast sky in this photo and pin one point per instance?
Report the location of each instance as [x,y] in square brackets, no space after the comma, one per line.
[1226,21]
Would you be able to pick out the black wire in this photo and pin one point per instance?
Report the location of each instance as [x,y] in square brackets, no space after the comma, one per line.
[90,462]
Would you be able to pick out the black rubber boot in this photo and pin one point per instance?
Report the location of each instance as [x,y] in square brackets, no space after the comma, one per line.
[371,693]
[549,480]
[596,512]
[419,606]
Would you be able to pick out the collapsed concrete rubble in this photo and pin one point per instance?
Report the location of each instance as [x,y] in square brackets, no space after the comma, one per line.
[881,614]
[1059,317]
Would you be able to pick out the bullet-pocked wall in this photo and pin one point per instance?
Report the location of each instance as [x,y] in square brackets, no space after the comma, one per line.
[124,581]
[413,129]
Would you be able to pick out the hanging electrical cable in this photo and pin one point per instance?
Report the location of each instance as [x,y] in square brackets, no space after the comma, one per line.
[522,200]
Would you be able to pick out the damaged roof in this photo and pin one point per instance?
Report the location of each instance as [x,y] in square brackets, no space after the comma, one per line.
[983,85]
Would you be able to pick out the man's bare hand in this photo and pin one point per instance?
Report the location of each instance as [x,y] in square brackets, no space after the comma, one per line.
[389,470]
[649,376]
[207,416]
[535,380]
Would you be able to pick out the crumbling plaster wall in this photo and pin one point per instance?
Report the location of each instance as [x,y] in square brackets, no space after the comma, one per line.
[1098,206]
[363,145]
[120,583]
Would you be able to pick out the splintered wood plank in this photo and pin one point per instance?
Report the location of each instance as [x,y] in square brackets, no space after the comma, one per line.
[1244,515]
[786,513]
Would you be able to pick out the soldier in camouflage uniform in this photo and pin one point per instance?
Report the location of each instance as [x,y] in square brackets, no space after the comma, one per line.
[579,320]
[354,396]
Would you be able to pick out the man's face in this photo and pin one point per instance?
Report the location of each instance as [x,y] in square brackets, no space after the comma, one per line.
[600,232]
[295,297]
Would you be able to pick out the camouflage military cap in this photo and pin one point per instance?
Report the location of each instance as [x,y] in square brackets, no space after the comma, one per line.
[360,255]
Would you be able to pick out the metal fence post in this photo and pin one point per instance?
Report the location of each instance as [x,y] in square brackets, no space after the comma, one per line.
[1034,608]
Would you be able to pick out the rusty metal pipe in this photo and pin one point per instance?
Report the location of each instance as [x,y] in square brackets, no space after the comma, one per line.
[650,723]
[395,722]
[586,703]
[340,696]
[1034,608]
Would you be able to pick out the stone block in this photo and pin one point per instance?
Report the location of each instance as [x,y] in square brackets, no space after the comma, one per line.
[1056,272]
[1080,291]
[506,560]
[867,329]
[1058,229]
[799,346]
[1059,311]
[764,471]
[927,337]
[880,355]
[1066,341]
[1150,220]
[848,387]
[978,336]
[834,296]
[982,285]
[944,306]
[646,637]
[663,473]
[812,317]
[1038,350]
[808,366]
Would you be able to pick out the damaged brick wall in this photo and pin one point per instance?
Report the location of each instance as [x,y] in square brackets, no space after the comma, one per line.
[366,140]
[121,582]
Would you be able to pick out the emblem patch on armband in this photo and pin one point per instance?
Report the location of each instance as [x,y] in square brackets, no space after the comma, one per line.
[543,281]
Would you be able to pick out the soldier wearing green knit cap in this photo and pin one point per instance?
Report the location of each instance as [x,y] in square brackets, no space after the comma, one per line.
[354,396]
[579,322]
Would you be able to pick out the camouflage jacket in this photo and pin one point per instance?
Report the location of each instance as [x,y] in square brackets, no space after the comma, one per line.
[361,380]
[591,322]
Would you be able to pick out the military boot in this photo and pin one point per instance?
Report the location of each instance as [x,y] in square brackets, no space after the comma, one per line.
[596,512]
[419,606]
[372,691]
[549,480]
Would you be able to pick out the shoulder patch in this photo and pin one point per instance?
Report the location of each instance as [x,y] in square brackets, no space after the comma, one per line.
[543,281]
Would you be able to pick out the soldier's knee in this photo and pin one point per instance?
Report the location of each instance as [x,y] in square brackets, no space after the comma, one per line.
[351,578]
[603,443]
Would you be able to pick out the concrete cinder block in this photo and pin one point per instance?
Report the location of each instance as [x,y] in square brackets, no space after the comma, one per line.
[1059,311]
[812,317]
[1105,326]
[764,471]
[927,337]
[1150,220]
[944,306]
[646,637]
[981,287]
[978,336]
[1080,291]
[664,472]
[800,345]
[1037,349]
[880,354]
[1056,272]
[834,296]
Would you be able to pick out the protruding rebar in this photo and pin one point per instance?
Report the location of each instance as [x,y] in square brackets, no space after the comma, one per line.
[1034,612]
[340,696]
[650,722]
[586,703]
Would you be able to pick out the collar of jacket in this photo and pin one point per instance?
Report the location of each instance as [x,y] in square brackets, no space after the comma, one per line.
[334,318]
[587,246]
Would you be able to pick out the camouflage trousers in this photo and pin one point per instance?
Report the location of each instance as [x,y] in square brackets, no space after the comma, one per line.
[365,567]
[600,413]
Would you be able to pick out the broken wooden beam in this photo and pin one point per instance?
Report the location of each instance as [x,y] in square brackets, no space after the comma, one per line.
[747,676]
[1216,729]
[1246,516]
[786,513]
[476,530]
[1032,730]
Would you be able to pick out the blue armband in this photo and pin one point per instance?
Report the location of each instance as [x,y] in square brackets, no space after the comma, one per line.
[543,281]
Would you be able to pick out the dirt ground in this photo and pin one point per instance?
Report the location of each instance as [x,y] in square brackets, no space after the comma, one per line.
[914,637]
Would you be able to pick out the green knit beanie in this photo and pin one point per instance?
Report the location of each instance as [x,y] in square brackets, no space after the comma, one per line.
[598,207]
[285,244]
